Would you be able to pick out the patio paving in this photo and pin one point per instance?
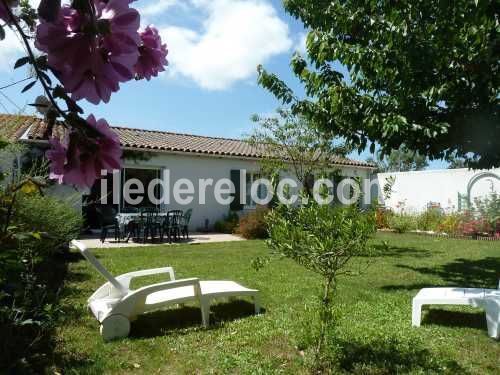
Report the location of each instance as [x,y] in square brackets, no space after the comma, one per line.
[93,241]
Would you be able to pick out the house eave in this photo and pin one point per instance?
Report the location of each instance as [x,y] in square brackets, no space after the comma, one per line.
[199,154]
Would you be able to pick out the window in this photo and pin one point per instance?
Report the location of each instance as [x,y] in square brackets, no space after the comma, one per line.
[251,177]
[145,176]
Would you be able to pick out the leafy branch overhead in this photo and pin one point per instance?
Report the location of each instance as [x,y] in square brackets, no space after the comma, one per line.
[424,74]
[84,49]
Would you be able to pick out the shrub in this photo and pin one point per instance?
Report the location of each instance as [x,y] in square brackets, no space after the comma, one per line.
[382,218]
[228,224]
[451,224]
[253,225]
[472,225]
[489,210]
[430,219]
[56,221]
[402,223]
[33,228]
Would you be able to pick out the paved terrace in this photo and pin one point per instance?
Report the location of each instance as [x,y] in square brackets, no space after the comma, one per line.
[93,242]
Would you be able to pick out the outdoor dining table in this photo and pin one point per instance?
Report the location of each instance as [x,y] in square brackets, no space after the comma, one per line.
[125,218]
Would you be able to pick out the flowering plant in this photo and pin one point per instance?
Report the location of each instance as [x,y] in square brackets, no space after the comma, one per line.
[90,47]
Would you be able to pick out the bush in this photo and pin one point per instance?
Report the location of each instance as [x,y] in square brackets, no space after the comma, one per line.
[451,224]
[228,224]
[430,219]
[31,272]
[253,225]
[402,223]
[55,219]
[489,211]
[382,218]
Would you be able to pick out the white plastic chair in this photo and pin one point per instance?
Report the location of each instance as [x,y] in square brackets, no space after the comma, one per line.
[115,305]
[488,299]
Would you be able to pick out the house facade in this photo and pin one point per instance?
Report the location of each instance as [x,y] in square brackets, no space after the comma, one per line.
[172,158]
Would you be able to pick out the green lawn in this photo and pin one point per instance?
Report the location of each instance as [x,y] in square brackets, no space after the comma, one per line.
[374,335]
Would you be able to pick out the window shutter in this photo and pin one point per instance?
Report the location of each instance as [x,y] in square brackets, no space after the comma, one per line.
[336,178]
[236,204]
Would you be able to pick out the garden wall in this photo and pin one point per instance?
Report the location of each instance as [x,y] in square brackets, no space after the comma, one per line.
[413,191]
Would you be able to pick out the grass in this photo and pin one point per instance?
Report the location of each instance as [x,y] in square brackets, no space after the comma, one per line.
[373,335]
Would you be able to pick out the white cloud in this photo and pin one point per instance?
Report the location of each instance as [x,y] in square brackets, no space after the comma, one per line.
[156,7]
[235,37]
[10,49]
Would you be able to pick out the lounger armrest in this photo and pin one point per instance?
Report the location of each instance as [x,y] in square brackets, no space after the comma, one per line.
[127,277]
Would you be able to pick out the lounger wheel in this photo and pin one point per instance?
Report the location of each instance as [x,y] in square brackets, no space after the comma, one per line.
[115,327]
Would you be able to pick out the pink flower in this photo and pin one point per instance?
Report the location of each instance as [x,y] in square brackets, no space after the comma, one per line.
[4,13]
[57,157]
[79,160]
[153,54]
[91,64]
[124,24]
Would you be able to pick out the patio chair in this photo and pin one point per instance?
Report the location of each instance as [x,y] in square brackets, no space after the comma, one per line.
[107,220]
[115,305]
[172,225]
[186,218]
[150,223]
[488,299]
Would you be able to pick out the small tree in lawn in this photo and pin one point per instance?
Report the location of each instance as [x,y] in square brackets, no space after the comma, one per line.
[323,239]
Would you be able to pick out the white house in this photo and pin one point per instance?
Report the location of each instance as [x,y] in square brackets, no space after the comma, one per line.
[450,189]
[150,154]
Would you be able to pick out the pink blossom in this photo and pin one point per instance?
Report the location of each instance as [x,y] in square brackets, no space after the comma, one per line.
[79,161]
[91,65]
[153,54]
[4,13]
[57,156]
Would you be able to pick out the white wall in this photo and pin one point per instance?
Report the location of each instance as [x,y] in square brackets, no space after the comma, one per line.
[412,191]
[192,167]
[195,167]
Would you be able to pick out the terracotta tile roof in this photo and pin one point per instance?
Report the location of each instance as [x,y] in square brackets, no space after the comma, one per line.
[13,127]
[154,140]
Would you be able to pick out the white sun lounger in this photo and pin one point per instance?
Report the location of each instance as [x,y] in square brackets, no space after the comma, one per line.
[114,305]
[488,299]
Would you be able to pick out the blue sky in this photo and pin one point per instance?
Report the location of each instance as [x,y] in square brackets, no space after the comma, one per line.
[210,85]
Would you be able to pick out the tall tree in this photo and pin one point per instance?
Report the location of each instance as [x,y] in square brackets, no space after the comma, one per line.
[401,160]
[424,73]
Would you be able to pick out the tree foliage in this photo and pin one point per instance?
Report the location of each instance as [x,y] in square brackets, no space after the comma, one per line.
[401,160]
[421,73]
[294,146]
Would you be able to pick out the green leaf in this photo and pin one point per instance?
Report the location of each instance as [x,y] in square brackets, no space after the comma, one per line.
[46,77]
[28,86]
[372,148]
[22,61]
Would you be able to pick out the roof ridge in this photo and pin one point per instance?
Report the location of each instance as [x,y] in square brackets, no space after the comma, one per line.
[176,133]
